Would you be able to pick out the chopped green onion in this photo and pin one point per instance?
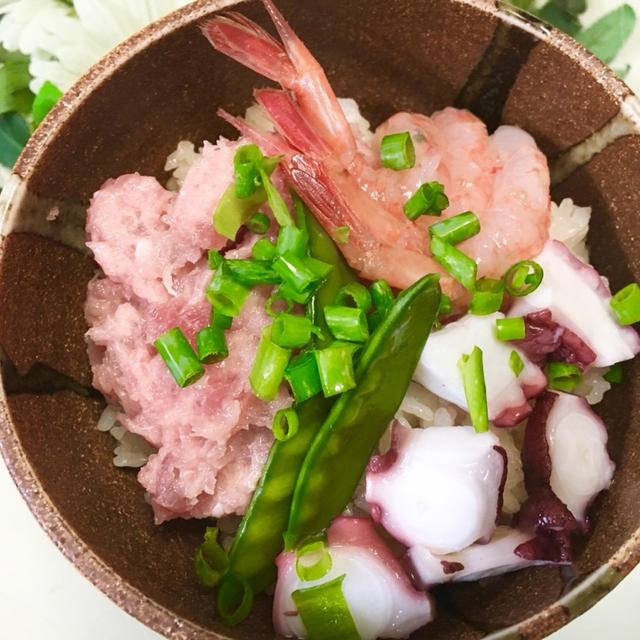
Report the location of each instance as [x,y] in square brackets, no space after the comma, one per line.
[276,297]
[346,323]
[303,275]
[232,212]
[523,278]
[252,272]
[313,560]
[515,363]
[456,228]
[246,170]
[626,304]
[225,294]
[303,377]
[614,374]
[356,295]
[381,295]
[428,200]
[324,611]
[563,376]
[459,265]
[48,95]
[510,328]
[268,367]
[292,240]
[475,390]
[211,560]
[291,331]
[278,207]
[288,292]
[487,296]
[259,223]
[264,249]
[445,305]
[219,320]
[211,345]
[397,152]
[341,234]
[180,358]
[235,598]
[335,367]
[285,424]
[215,259]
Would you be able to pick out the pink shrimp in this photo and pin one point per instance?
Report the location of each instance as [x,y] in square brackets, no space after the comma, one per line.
[503,178]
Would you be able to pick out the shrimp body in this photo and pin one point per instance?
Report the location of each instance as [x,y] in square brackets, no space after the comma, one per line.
[502,178]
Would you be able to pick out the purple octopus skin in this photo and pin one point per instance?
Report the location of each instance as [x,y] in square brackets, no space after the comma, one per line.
[545,338]
[566,464]
[381,598]
[439,487]
[578,300]
[507,394]
[473,563]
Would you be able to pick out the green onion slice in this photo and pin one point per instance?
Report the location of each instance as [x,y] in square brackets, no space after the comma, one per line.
[487,296]
[246,170]
[303,377]
[211,345]
[341,234]
[276,297]
[381,295]
[475,390]
[313,560]
[510,328]
[428,200]
[211,560]
[563,376]
[523,278]
[356,295]
[459,265]
[303,275]
[235,598]
[252,272]
[178,355]
[264,249]
[280,211]
[215,259]
[335,367]
[346,323]
[626,304]
[456,228]
[324,611]
[226,294]
[268,367]
[285,424]
[445,305]
[291,331]
[397,152]
[259,223]
[292,240]
[614,374]
[219,320]
[515,363]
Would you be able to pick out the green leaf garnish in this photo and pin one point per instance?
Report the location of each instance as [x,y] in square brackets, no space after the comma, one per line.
[14,133]
[606,36]
[48,95]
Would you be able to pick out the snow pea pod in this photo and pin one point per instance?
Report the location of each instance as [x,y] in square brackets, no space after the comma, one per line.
[259,537]
[342,447]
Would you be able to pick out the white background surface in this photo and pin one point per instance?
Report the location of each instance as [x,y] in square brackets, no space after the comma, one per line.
[43,597]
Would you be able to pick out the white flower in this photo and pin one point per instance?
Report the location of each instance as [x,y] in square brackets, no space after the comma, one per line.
[63,41]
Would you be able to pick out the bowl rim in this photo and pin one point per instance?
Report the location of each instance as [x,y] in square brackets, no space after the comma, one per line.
[126,596]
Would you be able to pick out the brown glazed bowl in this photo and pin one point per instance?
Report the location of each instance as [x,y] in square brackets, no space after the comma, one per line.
[164,85]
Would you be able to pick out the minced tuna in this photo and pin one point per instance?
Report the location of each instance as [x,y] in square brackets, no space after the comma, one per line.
[213,437]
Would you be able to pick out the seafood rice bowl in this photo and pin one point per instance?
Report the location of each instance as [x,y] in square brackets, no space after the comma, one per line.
[363,361]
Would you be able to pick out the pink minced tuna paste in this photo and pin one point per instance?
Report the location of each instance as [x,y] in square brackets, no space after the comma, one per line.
[212,437]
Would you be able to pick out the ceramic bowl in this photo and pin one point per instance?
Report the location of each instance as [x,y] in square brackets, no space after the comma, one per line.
[164,85]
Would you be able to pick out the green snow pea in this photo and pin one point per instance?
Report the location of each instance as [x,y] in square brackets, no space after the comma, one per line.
[342,447]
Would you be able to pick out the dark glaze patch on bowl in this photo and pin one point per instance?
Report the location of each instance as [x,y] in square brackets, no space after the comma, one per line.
[389,55]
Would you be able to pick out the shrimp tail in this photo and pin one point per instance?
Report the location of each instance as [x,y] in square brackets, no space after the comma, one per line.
[249,44]
[290,64]
[289,120]
[270,143]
